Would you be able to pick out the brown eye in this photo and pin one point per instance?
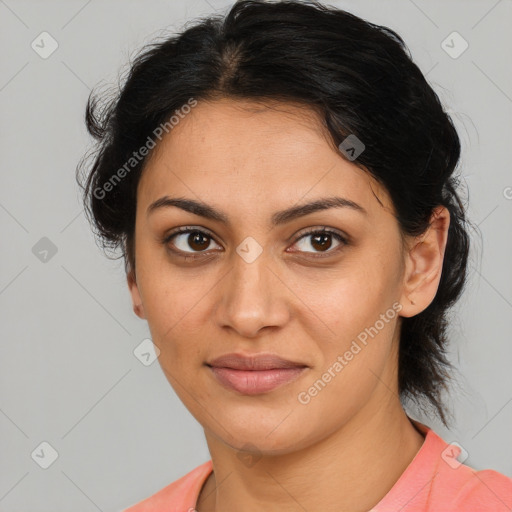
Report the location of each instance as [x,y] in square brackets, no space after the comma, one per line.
[190,241]
[198,241]
[320,241]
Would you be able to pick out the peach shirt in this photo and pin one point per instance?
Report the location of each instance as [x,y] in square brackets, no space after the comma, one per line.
[434,481]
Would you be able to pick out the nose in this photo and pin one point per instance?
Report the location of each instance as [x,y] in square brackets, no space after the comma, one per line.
[252,297]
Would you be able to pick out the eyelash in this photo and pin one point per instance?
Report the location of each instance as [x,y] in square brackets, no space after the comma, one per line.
[187,229]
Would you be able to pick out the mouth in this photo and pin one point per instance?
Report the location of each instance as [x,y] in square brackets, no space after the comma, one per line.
[254,375]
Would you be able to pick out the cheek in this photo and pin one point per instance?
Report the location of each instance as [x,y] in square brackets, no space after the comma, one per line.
[175,306]
[355,317]
[347,301]
[360,312]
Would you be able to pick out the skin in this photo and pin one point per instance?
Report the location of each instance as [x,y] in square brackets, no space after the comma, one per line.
[347,447]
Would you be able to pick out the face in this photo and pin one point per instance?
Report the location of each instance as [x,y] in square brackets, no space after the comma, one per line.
[308,288]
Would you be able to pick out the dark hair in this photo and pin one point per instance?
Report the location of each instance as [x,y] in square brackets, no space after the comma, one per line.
[358,76]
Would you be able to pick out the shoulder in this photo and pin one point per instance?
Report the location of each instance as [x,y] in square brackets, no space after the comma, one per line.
[462,488]
[484,490]
[436,481]
[179,496]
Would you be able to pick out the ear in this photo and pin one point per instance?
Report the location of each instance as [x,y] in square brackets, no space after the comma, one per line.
[138,307]
[424,264]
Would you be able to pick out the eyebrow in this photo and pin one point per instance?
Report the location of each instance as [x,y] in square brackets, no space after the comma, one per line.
[281,217]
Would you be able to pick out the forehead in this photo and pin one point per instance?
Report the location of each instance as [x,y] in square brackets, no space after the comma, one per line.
[245,156]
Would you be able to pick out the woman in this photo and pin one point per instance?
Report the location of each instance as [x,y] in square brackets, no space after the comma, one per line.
[281,184]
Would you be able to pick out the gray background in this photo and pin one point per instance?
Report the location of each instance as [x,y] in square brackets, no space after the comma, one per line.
[67,368]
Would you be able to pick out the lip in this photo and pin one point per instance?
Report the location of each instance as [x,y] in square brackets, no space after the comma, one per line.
[253,375]
[255,382]
[254,362]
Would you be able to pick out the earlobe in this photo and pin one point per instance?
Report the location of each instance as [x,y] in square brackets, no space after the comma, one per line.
[138,307]
[424,265]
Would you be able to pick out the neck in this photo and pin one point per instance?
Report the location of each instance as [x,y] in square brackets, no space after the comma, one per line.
[371,451]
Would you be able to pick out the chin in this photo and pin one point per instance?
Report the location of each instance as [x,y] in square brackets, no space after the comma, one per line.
[261,440]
